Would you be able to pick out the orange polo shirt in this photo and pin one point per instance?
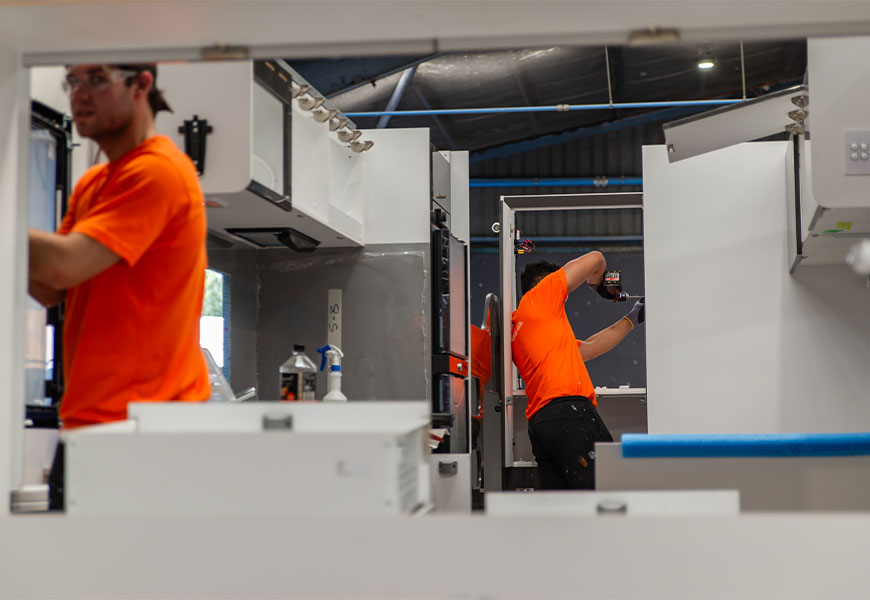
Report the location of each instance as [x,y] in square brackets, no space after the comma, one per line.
[131,333]
[544,347]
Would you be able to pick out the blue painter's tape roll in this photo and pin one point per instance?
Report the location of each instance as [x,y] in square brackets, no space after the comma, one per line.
[744,445]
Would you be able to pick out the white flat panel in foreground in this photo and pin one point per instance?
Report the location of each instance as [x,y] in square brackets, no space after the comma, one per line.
[271,473]
[775,556]
[247,417]
[632,504]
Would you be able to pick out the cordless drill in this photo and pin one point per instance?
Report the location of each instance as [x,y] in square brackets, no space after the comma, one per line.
[612,284]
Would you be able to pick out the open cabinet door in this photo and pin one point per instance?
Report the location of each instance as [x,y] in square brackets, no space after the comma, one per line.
[750,120]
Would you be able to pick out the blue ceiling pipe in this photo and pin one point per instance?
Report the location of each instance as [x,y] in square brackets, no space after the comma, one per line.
[550,108]
[599,182]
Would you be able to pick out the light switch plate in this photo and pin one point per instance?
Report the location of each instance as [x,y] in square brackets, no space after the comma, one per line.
[856,146]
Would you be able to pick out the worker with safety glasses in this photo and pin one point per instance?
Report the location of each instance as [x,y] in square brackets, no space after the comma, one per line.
[129,259]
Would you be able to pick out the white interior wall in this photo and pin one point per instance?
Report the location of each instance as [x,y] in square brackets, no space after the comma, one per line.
[220,92]
[734,343]
[838,103]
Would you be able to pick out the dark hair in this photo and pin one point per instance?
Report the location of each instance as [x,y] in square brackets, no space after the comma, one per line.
[155,96]
[534,272]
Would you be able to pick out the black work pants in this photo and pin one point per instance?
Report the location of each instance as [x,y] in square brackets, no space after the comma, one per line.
[563,435]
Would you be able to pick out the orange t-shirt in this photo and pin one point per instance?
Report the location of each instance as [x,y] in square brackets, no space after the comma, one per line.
[544,347]
[131,333]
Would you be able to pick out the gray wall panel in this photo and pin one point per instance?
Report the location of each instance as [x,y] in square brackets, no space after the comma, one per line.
[385,321]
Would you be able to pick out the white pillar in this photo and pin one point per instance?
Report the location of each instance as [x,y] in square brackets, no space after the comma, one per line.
[14,154]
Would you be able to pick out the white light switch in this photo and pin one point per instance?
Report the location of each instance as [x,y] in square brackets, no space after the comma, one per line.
[856,155]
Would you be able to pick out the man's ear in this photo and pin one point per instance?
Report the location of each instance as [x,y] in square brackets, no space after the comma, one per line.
[143,84]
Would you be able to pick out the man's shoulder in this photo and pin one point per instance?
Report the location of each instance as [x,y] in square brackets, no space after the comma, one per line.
[159,161]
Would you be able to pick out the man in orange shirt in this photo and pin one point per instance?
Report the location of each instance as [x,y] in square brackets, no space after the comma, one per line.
[563,422]
[129,259]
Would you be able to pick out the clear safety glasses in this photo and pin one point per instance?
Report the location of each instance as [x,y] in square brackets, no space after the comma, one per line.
[95,81]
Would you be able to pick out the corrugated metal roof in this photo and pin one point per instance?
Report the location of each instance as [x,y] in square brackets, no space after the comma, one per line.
[557,75]
[559,144]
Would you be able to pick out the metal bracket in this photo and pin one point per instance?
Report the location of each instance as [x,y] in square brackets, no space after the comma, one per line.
[195,132]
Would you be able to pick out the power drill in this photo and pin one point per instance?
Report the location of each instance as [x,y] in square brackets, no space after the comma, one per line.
[613,282]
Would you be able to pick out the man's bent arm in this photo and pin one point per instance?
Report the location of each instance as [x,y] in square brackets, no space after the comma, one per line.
[589,268]
[61,261]
[605,340]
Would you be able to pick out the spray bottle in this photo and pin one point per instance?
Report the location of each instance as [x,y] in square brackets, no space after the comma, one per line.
[333,356]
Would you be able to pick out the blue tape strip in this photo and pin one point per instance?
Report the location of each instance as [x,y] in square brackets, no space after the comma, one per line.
[636,445]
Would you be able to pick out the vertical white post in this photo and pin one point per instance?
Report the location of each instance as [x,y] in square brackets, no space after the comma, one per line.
[14,153]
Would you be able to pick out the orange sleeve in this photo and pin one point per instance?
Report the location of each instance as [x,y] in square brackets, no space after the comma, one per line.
[134,207]
[66,224]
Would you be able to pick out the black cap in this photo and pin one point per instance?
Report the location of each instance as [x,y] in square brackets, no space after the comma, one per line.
[298,347]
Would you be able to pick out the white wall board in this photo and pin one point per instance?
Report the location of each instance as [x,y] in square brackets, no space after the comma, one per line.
[734,343]
[838,104]
[396,186]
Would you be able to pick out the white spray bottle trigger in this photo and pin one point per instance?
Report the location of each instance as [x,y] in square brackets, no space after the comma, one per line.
[332,355]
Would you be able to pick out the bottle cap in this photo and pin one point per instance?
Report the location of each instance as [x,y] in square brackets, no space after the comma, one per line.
[298,347]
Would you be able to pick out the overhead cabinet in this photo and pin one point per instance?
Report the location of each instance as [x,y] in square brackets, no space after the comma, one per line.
[279,166]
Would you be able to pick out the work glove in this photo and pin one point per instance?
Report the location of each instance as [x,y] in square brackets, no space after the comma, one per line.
[636,316]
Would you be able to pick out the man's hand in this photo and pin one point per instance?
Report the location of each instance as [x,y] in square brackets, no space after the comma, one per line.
[636,316]
[608,292]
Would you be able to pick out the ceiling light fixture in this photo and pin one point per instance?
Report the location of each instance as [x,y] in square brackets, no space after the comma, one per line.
[706,61]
